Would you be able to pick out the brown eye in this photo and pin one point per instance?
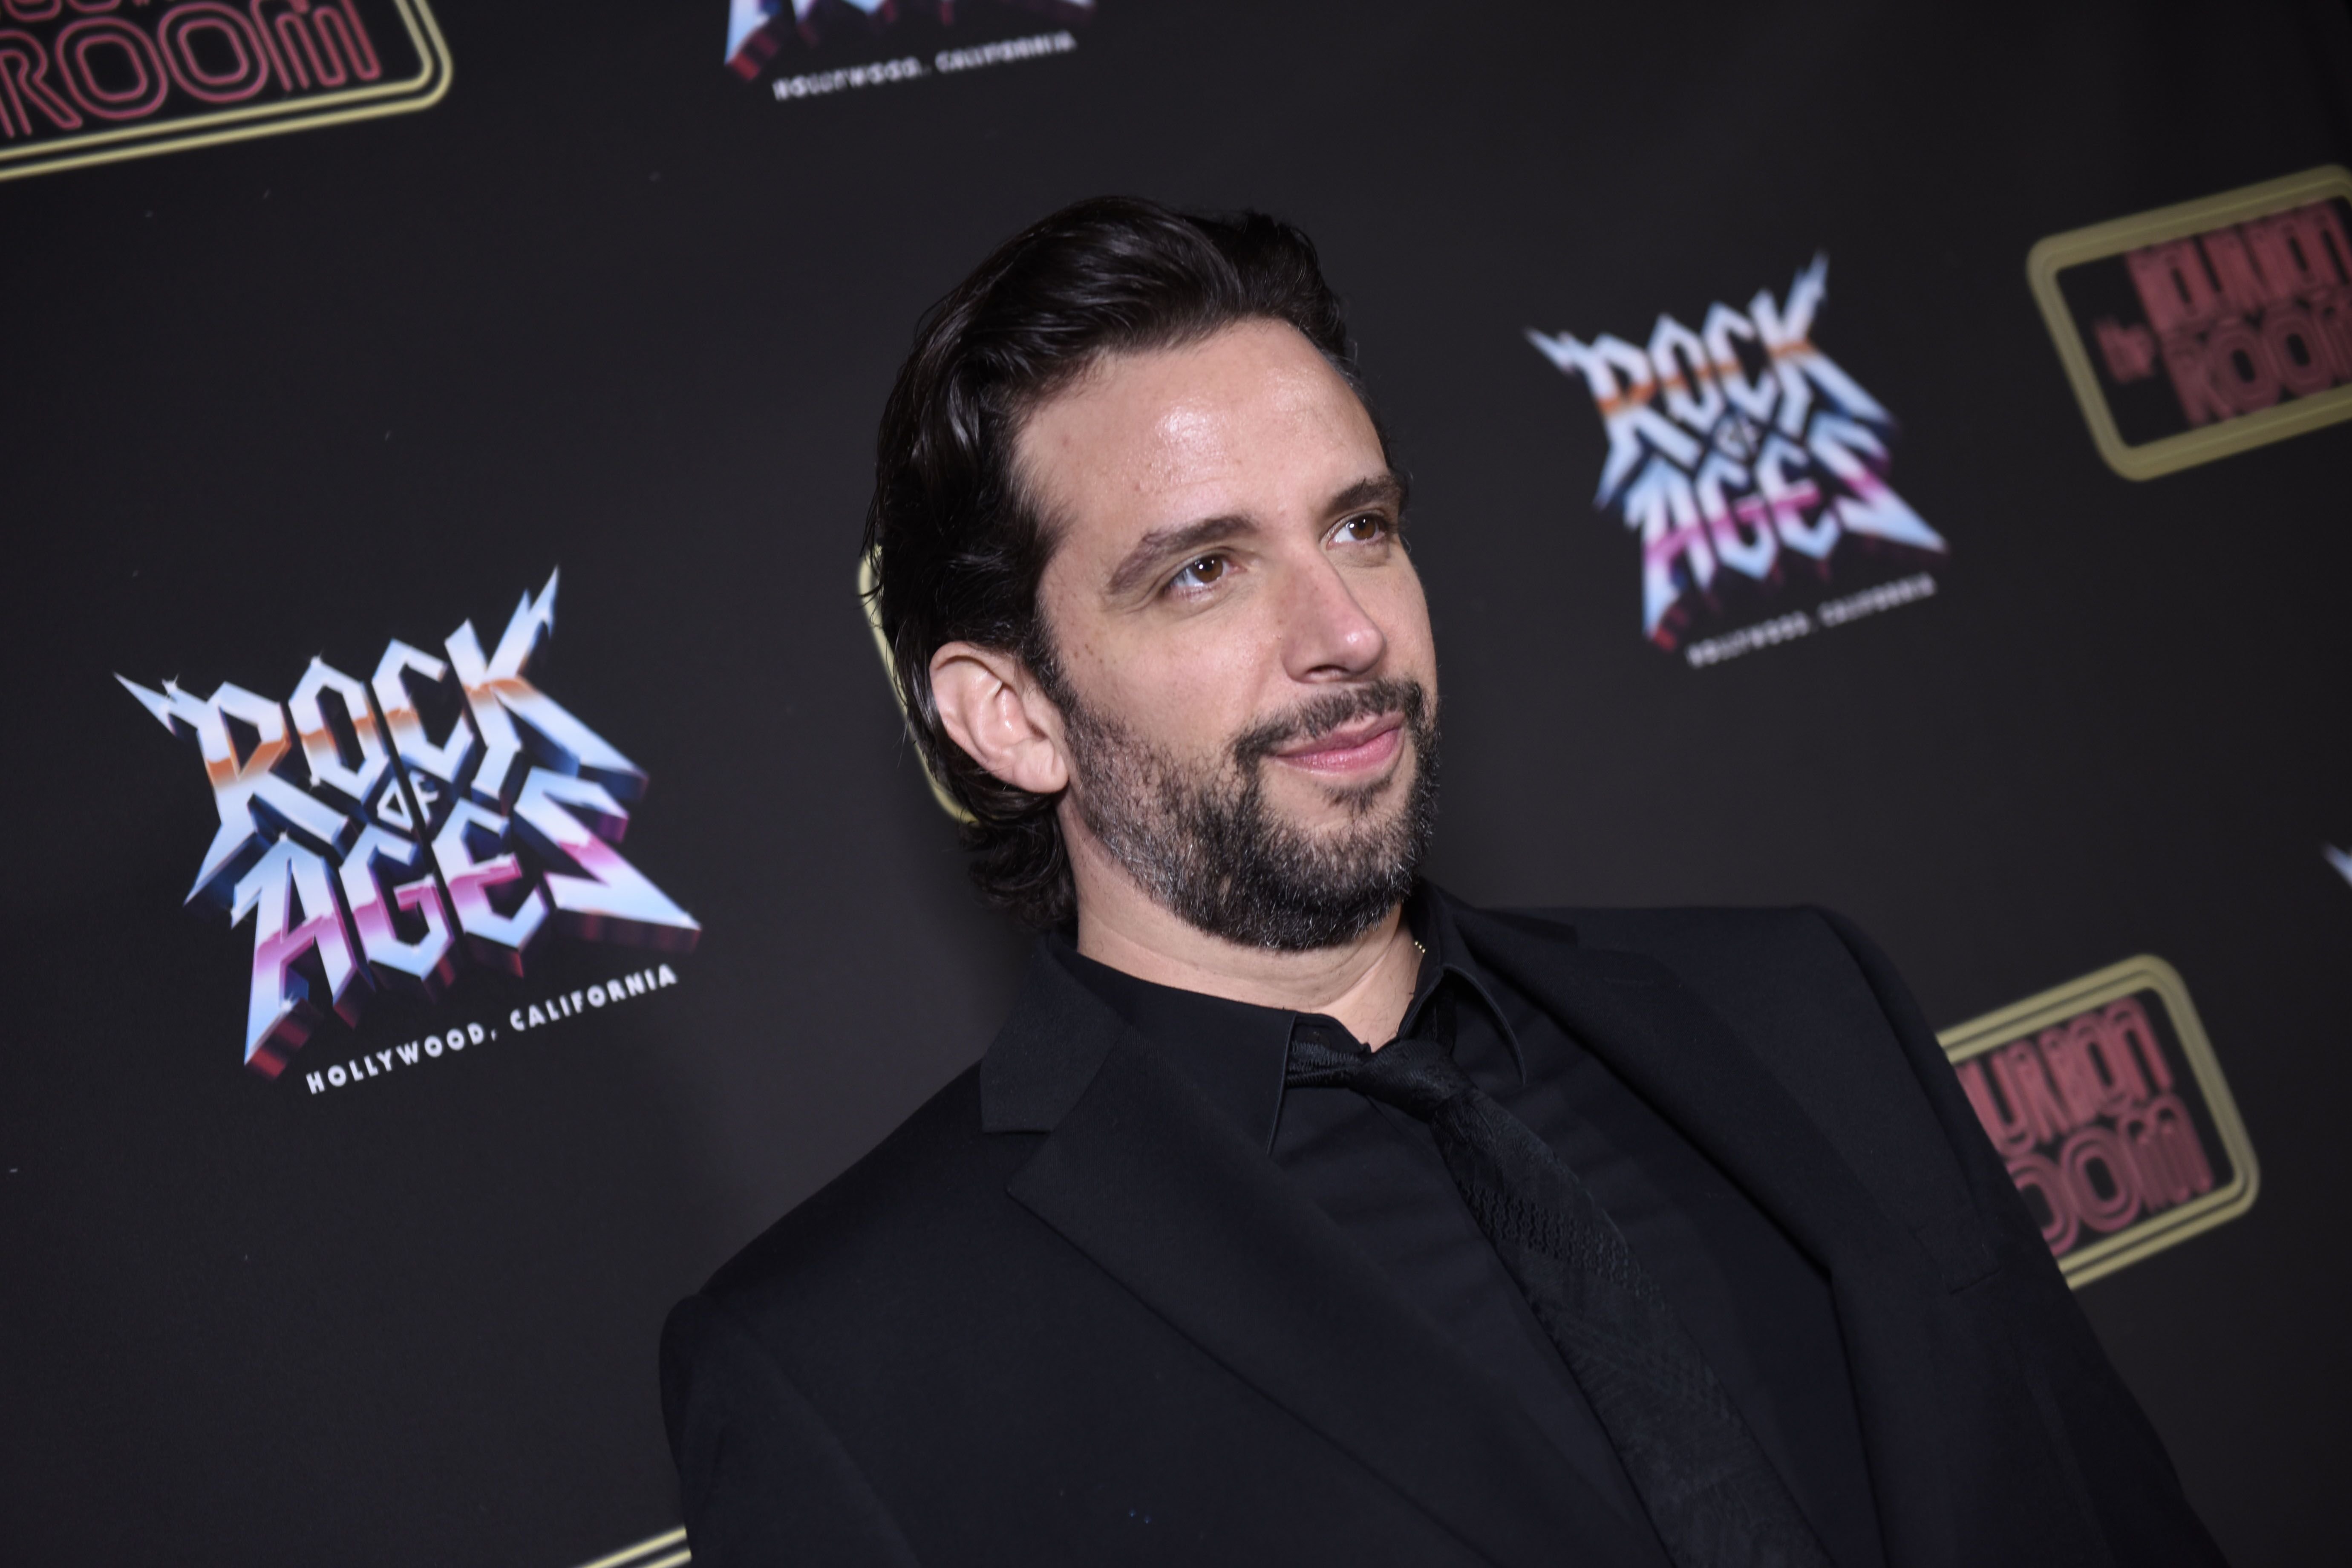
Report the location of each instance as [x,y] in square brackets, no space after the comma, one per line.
[1200,574]
[1362,529]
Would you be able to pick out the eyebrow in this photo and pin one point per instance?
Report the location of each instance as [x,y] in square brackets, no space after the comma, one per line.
[1163,544]
[1375,489]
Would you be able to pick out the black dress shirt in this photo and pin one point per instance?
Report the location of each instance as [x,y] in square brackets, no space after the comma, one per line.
[1756,1305]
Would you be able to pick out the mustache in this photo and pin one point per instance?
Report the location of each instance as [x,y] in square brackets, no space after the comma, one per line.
[1319,716]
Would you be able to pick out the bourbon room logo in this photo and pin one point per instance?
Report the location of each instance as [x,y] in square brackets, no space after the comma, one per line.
[372,854]
[89,81]
[1749,466]
[2103,1097]
[2201,329]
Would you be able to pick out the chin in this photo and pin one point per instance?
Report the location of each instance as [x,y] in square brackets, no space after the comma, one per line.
[1335,815]
[1356,800]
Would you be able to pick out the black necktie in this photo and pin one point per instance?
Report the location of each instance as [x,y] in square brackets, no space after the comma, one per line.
[1714,1499]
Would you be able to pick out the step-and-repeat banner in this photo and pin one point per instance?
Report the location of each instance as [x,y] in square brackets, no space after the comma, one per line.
[466,875]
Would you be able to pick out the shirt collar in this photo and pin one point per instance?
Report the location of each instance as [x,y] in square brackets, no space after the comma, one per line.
[1233,1052]
[1237,1053]
[1429,915]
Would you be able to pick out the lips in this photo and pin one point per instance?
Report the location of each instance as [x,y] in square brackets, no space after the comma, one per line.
[1367,743]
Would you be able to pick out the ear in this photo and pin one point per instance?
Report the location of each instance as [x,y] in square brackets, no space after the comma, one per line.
[992,710]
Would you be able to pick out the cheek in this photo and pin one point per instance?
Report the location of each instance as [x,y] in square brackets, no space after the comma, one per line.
[1192,694]
[1402,612]
[1200,696]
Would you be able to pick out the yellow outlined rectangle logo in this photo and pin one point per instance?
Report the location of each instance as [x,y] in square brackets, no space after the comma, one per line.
[2197,330]
[2105,1098]
[78,89]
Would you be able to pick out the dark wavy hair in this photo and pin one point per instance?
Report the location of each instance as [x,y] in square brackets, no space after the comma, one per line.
[955,547]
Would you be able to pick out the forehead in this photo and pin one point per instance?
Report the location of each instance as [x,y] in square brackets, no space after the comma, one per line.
[1229,424]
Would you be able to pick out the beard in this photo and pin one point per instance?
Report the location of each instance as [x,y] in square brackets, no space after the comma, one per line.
[1198,836]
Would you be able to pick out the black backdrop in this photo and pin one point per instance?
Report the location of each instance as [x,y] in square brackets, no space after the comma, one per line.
[610,307]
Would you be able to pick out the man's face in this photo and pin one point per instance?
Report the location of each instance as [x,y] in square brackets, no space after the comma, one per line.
[1247,670]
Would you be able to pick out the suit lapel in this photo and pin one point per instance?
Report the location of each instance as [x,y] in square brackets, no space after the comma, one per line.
[1142,1174]
[1672,1049]
[1679,1055]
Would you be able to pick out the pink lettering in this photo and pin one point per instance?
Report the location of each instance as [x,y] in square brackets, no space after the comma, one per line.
[25,83]
[2245,315]
[2331,316]
[230,34]
[2018,1068]
[295,920]
[2299,352]
[2171,1163]
[2076,1080]
[497,938]
[2319,232]
[2242,284]
[2011,1134]
[2241,365]
[92,35]
[2131,1028]
[2130,351]
[2202,401]
[2293,250]
[2085,1116]
[2174,288]
[326,45]
[2106,1052]
[2038,1178]
[2100,1179]
[339,33]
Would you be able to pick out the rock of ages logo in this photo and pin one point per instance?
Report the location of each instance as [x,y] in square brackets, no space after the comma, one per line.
[1745,459]
[2201,329]
[2105,1098]
[87,82]
[372,855]
[910,32]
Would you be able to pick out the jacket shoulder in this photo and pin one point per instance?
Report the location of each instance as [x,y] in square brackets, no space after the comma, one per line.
[917,1194]
[1696,930]
[1773,969]
[1807,991]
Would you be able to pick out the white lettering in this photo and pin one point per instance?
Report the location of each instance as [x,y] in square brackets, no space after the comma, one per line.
[1870,601]
[1035,47]
[816,84]
[1748,640]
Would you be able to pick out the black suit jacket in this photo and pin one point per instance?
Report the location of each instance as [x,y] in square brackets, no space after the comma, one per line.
[1067,1313]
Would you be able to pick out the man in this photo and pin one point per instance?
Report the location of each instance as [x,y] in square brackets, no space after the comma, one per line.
[1299,1213]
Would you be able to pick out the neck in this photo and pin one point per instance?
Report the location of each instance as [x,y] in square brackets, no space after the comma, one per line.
[1366,983]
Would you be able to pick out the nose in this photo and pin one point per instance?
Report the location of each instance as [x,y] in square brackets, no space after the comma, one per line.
[1325,633]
